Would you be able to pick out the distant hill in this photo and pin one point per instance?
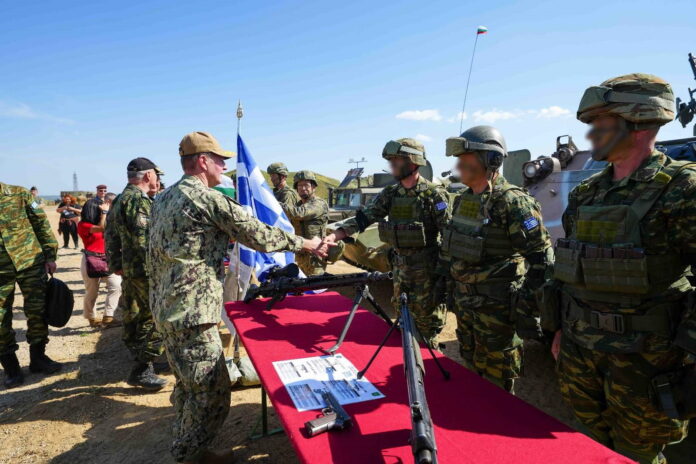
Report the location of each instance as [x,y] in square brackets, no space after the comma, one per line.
[324,182]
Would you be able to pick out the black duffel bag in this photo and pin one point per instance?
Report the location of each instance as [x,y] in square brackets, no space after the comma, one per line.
[59,303]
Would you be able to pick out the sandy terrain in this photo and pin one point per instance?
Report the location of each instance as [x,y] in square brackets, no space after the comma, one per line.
[89,414]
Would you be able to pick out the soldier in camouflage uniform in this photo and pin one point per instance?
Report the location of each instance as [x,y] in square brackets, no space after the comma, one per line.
[190,228]
[496,251]
[310,216]
[283,193]
[622,272]
[28,251]
[411,215]
[126,248]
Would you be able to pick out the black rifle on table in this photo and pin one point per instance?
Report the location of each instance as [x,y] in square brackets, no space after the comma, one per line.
[284,280]
[422,433]
[333,416]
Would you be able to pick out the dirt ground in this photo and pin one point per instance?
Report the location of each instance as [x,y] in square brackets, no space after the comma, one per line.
[88,414]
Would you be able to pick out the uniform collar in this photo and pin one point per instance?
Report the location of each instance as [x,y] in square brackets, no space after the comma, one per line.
[498,183]
[420,186]
[646,172]
[135,189]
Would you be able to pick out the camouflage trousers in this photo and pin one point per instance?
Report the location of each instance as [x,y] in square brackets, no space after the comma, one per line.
[310,264]
[32,283]
[610,394]
[202,391]
[416,277]
[139,332]
[488,343]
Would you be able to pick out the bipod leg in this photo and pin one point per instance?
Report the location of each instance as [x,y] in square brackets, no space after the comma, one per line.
[359,293]
[378,308]
[445,373]
[379,348]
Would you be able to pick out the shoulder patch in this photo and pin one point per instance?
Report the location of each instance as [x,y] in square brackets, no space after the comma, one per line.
[440,206]
[34,205]
[531,223]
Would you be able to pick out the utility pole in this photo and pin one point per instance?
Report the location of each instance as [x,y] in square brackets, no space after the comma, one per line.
[74,182]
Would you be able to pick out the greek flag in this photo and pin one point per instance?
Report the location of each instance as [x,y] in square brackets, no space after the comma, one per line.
[254,194]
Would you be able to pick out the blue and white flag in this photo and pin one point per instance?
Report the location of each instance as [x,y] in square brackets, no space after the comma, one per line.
[257,198]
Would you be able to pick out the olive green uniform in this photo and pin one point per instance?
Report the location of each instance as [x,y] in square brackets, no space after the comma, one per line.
[126,247]
[286,196]
[190,229]
[310,219]
[491,241]
[410,221]
[26,244]
[623,275]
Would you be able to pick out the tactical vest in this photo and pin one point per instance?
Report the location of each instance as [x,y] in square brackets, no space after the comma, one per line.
[472,237]
[409,224]
[315,227]
[603,259]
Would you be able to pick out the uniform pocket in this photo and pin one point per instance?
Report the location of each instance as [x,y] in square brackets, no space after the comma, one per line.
[567,267]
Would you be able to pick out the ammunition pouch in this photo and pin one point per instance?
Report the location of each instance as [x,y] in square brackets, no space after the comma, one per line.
[616,275]
[465,247]
[411,235]
[674,393]
[549,302]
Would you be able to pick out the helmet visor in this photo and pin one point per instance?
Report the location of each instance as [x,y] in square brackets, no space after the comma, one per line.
[455,146]
[394,148]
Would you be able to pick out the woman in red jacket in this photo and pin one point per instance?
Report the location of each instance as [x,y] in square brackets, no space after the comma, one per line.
[94,269]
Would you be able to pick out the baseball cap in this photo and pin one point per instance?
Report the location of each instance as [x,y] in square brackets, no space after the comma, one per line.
[202,142]
[101,186]
[143,164]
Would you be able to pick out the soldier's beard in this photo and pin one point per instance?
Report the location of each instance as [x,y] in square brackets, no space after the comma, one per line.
[305,196]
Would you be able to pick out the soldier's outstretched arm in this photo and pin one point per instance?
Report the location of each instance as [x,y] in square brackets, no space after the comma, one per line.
[42,228]
[231,218]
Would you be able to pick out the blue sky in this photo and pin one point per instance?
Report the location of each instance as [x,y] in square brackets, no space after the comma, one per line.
[87,86]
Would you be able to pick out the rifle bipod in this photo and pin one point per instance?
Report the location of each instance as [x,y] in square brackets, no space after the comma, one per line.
[393,326]
[361,291]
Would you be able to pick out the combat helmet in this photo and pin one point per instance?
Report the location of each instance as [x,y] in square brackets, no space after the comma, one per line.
[643,100]
[277,168]
[304,175]
[407,148]
[486,141]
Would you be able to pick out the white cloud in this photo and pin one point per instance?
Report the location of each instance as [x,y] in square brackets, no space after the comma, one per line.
[420,115]
[423,137]
[494,115]
[24,111]
[552,112]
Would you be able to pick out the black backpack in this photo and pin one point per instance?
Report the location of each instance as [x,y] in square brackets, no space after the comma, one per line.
[59,303]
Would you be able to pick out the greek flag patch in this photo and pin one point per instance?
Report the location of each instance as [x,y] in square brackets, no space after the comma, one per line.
[440,206]
[531,223]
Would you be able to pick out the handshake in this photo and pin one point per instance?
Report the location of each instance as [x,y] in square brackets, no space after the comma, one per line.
[320,247]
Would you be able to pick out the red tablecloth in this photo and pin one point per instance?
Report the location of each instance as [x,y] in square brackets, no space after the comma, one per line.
[475,422]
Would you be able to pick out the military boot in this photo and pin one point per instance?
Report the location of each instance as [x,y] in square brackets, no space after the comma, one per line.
[13,373]
[143,375]
[39,362]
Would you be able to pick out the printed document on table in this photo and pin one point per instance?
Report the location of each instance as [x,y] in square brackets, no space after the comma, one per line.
[306,378]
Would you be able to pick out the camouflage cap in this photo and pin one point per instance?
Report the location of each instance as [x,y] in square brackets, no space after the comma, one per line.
[202,142]
[304,175]
[406,147]
[277,168]
[642,99]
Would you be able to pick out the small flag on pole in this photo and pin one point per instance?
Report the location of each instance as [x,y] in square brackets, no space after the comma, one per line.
[481,30]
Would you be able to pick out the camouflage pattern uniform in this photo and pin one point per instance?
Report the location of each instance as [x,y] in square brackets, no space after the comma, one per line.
[26,244]
[190,227]
[422,209]
[622,271]
[286,196]
[311,218]
[488,244]
[126,249]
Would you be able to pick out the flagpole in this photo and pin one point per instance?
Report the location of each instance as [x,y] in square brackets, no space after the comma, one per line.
[468,79]
[240,115]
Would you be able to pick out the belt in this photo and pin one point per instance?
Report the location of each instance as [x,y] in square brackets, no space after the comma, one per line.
[657,320]
[420,257]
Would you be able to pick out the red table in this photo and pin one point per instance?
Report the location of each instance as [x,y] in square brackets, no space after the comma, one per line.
[475,422]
